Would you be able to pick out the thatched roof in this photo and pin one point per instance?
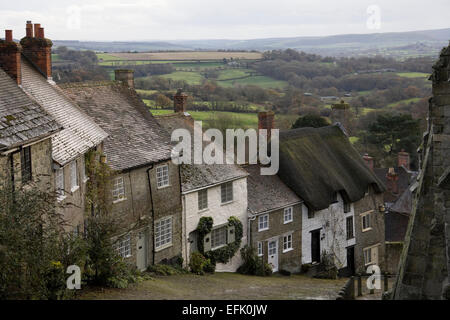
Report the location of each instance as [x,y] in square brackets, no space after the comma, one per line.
[318,162]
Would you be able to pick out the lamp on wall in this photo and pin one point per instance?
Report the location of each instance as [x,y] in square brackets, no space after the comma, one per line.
[381,208]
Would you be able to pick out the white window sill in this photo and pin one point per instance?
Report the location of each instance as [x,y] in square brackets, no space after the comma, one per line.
[165,246]
[367,229]
[119,200]
[286,222]
[260,255]
[226,203]
[85,180]
[74,189]
[60,198]
[259,230]
[287,250]
[203,210]
[218,247]
[162,187]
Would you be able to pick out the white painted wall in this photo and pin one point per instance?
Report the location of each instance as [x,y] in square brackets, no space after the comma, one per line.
[332,220]
[220,214]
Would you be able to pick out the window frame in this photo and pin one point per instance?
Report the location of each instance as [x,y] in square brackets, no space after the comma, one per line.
[371,254]
[225,187]
[124,243]
[260,248]
[162,172]
[288,243]
[263,216]
[26,168]
[290,211]
[366,216]
[115,188]
[223,229]
[59,183]
[203,200]
[157,234]
[74,181]
[349,235]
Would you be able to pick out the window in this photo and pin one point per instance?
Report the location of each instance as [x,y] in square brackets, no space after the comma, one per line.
[366,223]
[84,172]
[287,215]
[118,189]
[287,243]
[371,255]
[123,246]
[25,159]
[226,192]
[203,199]
[260,249]
[162,176]
[219,237]
[309,212]
[163,233]
[349,224]
[263,222]
[73,176]
[59,182]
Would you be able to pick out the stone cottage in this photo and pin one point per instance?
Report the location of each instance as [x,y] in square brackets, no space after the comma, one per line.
[274,221]
[342,212]
[32,67]
[145,189]
[218,191]
[26,129]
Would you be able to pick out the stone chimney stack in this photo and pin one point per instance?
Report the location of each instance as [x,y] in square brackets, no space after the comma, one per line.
[180,101]
[125,75]
[38,49]
[368,160]
[403,159]
[10,57]
[266,120]
[391,181]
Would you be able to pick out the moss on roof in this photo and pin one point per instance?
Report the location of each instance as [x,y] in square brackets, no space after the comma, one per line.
[318,162]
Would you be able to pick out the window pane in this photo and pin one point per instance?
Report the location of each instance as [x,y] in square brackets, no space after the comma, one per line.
[219,237]
[163,232]
[202,199]
[118,191]
[25,159]
[162,176]
[226,190]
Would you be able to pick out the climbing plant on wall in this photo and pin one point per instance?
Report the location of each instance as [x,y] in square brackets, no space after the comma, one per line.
[225,253]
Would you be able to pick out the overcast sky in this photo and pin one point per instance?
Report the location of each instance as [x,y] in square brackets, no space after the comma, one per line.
[219,19]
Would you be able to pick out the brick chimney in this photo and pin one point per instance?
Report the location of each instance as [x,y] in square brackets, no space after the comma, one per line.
[38,49]
[391,181]
[266,120]
[368,160]
[180,101]
[125,75]
[403,159]
[10,57]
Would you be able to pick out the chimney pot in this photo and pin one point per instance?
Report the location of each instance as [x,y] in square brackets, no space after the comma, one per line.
[391,181]
[180,101]
[368,160]
[36,30]
[125,75]
[41,33]
[403,159]
[8,36]
[29,30]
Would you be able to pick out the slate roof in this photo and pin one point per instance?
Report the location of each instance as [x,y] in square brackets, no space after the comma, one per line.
[135,138]
[318,162]
[404,203]
[404,179]
[80,132]
[267,192]
[22,120]
[396,225]
[199,175]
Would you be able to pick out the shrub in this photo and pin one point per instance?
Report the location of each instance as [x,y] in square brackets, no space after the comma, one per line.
[253,265]
[200,265]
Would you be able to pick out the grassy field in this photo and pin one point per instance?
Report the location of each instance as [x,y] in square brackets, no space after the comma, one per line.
[188,55]
[223,286]
[191,78]
[260,81]
[106,57]
[407,101]
[413,75]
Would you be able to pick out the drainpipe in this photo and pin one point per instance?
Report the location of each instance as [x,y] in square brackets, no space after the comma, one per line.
[250,218]
[153,213]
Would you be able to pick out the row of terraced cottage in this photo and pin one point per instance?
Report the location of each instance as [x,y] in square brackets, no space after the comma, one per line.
[324,199]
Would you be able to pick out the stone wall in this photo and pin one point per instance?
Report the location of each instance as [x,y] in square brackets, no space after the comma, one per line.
[393,253]
[425,260]
[291,260]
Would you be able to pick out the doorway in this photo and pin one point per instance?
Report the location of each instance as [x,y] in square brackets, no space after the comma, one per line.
[272,251]
[315,246]
[351,260]
[141,251]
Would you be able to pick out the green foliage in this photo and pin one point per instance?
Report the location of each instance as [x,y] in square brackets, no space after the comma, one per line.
[203,228]
[310,120]
[252,264]
[198,264]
